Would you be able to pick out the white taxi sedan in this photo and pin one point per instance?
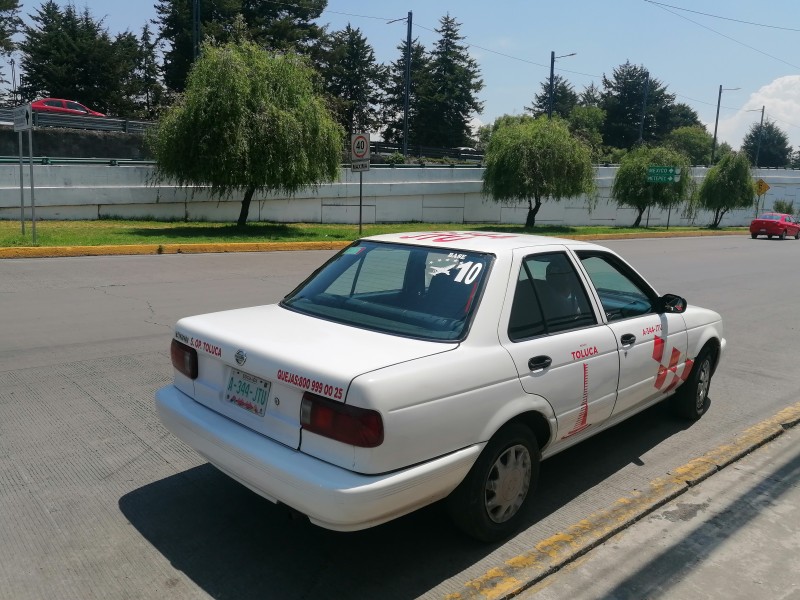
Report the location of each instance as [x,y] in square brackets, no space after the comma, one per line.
[421,366]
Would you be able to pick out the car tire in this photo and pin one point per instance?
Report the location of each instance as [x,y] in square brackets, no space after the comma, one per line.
[797,234]
[496,496]
[783,235]
[754,235]
[769,236]
[691,400]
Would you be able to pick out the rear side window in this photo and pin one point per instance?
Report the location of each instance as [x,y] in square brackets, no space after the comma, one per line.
[395,288]
[549,297]
[56,103]
[76,106]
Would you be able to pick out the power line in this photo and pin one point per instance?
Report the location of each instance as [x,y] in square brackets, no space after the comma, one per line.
[662,7]
[697,12]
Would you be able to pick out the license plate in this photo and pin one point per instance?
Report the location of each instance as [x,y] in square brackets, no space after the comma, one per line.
[248,392]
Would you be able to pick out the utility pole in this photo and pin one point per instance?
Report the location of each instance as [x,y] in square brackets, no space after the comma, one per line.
[760,135]
[407,85]
[407,94]
[716,121]
[644,105]
[196,28]
[553,58]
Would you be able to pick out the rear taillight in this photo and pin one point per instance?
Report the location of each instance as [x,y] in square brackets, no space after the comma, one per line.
[349,424]
[184,358]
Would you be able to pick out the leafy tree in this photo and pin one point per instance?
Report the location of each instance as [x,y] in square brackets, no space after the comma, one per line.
[10,24]
[694,141]
[622,98]
[448,99]
[632,189]
[774,149]
[354,80]
[586,123]
[395,94]
[280,26]
[530,160]
[564,98]
[726,186]
[249,120]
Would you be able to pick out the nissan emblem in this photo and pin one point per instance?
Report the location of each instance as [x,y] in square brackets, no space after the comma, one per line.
[241,357]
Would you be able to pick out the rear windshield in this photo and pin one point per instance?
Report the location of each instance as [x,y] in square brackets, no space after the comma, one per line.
[413,291]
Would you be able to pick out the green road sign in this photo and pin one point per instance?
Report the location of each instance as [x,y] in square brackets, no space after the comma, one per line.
[663,174]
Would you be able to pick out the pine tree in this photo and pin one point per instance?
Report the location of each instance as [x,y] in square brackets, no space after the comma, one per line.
[10,24]
[769,143]
[354,80]
[395,94]
[564,98]
[448,99]
[622,98]
[279,26]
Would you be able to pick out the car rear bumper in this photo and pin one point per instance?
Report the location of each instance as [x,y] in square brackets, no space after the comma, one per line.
[330,496]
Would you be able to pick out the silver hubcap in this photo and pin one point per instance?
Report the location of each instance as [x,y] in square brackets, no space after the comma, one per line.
[703,381]
[507,483]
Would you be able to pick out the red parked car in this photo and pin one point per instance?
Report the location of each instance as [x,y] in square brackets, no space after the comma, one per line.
[64,107]
[778,224]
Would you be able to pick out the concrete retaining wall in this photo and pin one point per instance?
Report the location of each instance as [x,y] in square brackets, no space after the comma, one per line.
[424,194]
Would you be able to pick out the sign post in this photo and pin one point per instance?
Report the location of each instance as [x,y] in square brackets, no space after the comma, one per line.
[761,188]
[657,174]
[23,121]
[359,161]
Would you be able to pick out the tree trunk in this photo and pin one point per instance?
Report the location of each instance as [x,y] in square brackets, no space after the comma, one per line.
[248,196]
[638,220]
[530,221]
[718,214]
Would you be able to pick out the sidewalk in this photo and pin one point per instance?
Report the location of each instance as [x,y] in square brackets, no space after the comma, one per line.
[734,535]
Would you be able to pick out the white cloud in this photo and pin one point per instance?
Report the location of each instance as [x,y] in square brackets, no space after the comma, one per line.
[781,102]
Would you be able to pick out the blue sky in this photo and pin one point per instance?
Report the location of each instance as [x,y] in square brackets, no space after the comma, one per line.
[754,47]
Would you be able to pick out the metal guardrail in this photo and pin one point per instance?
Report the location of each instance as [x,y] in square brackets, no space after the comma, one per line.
[41,119]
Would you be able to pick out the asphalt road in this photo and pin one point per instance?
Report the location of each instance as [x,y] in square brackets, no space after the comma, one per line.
[97,500]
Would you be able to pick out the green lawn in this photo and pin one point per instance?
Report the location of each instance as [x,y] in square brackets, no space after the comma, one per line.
[119,232]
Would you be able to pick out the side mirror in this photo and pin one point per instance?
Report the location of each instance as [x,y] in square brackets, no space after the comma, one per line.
[671,303]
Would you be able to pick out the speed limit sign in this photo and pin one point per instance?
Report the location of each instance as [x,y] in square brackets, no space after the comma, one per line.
[359,151]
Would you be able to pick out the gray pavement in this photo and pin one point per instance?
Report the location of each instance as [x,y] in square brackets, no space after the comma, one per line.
[734,535]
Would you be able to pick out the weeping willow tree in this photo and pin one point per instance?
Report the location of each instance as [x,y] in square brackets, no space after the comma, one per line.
[530,160]
[632,189]
[248,121]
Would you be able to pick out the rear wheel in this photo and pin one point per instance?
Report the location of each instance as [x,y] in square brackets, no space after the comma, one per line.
[797,234]
[754,235]
[783,234]
[496,496]
[691,399]
[769,236]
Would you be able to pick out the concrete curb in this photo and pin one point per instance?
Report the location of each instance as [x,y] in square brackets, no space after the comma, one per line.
[139,249]
[548,556]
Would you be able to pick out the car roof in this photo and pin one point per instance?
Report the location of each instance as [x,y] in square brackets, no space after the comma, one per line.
[478,241]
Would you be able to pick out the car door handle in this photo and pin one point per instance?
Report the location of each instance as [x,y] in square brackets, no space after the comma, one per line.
[627,340]
[539,363]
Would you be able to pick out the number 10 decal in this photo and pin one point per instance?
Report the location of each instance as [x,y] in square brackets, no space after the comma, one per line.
[468,272]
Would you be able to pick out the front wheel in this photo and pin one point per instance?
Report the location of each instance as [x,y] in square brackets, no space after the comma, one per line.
[691,399]
[797,234]
[496,496]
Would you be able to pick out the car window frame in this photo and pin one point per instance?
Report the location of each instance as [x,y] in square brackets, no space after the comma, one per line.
[629,272]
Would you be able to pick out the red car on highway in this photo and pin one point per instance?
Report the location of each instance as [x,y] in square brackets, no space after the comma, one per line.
[64,107]
[775,224]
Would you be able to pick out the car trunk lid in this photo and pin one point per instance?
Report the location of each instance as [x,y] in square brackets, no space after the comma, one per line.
[255,364]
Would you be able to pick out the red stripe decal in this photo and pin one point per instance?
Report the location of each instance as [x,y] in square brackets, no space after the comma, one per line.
[661,377]
[658,348]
